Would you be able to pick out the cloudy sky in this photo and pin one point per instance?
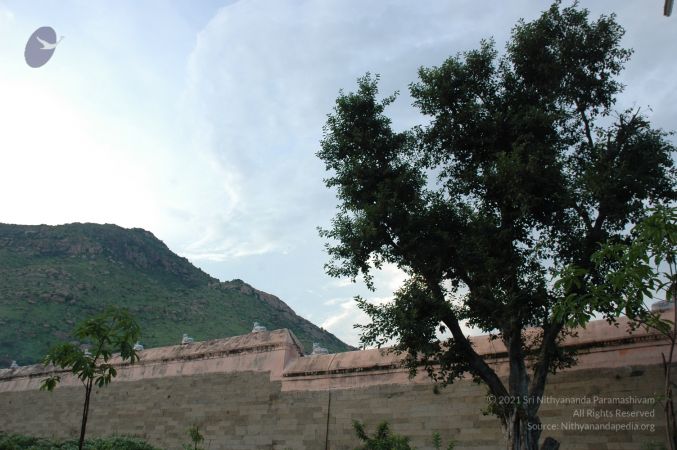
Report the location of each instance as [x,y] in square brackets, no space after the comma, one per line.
[199,121]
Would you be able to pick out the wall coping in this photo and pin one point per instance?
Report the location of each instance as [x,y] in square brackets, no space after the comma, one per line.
[260,342]
[281,353]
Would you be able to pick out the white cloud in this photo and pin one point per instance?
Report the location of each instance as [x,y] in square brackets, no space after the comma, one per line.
[344,311]
[228,249]
[334,301]
[6,17]
[340,316]
[347,312]
[342,321]
[341,283]
[259,86]
[390,278]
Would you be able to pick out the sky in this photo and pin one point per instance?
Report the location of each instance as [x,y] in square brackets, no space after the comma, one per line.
[200,121]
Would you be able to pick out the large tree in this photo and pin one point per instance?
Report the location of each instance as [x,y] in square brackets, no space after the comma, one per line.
[521,171]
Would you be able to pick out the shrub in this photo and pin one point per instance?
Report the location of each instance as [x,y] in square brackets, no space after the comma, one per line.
[21,442]
[195,437]
[437,442]
[382,440]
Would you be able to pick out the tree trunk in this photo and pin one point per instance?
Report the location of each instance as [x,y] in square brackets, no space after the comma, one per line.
[85,411]
[521,422]
[520,418]
[550,444]
[671,427]
[522,431]
[669,407]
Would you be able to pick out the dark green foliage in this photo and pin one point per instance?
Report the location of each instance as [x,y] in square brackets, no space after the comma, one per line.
[383,439]
[52,276]
[437,442]
[20,442]
[522,169]
[17,442]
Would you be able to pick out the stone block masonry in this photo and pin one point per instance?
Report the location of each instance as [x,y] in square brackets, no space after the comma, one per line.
[258,391]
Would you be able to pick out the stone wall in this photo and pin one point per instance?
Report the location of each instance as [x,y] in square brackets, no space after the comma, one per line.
[258,392]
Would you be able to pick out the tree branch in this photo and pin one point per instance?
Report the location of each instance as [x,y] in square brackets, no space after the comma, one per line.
[586,124]
[548,349]
[552,330]
[479,367]
[583,214]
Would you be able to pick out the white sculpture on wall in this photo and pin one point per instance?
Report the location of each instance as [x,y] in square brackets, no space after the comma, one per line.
[186,339]
[257,328]
[138,347]
[14,365]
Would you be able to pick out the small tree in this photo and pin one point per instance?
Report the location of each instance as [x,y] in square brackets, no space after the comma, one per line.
[114,330]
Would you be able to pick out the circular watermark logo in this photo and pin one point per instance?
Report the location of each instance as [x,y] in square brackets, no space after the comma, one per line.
[40,46]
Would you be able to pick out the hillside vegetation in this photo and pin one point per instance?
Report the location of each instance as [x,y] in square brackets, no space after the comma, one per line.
[53,276]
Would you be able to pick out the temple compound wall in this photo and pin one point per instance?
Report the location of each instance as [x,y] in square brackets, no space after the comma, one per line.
[259,391]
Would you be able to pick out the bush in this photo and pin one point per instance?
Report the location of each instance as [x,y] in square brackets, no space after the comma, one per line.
[21,442]
[16,442]
[382,440]
[195,437]
[116,443]
[437,442]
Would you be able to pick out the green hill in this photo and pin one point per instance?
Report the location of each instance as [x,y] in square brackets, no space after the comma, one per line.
[53,276]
